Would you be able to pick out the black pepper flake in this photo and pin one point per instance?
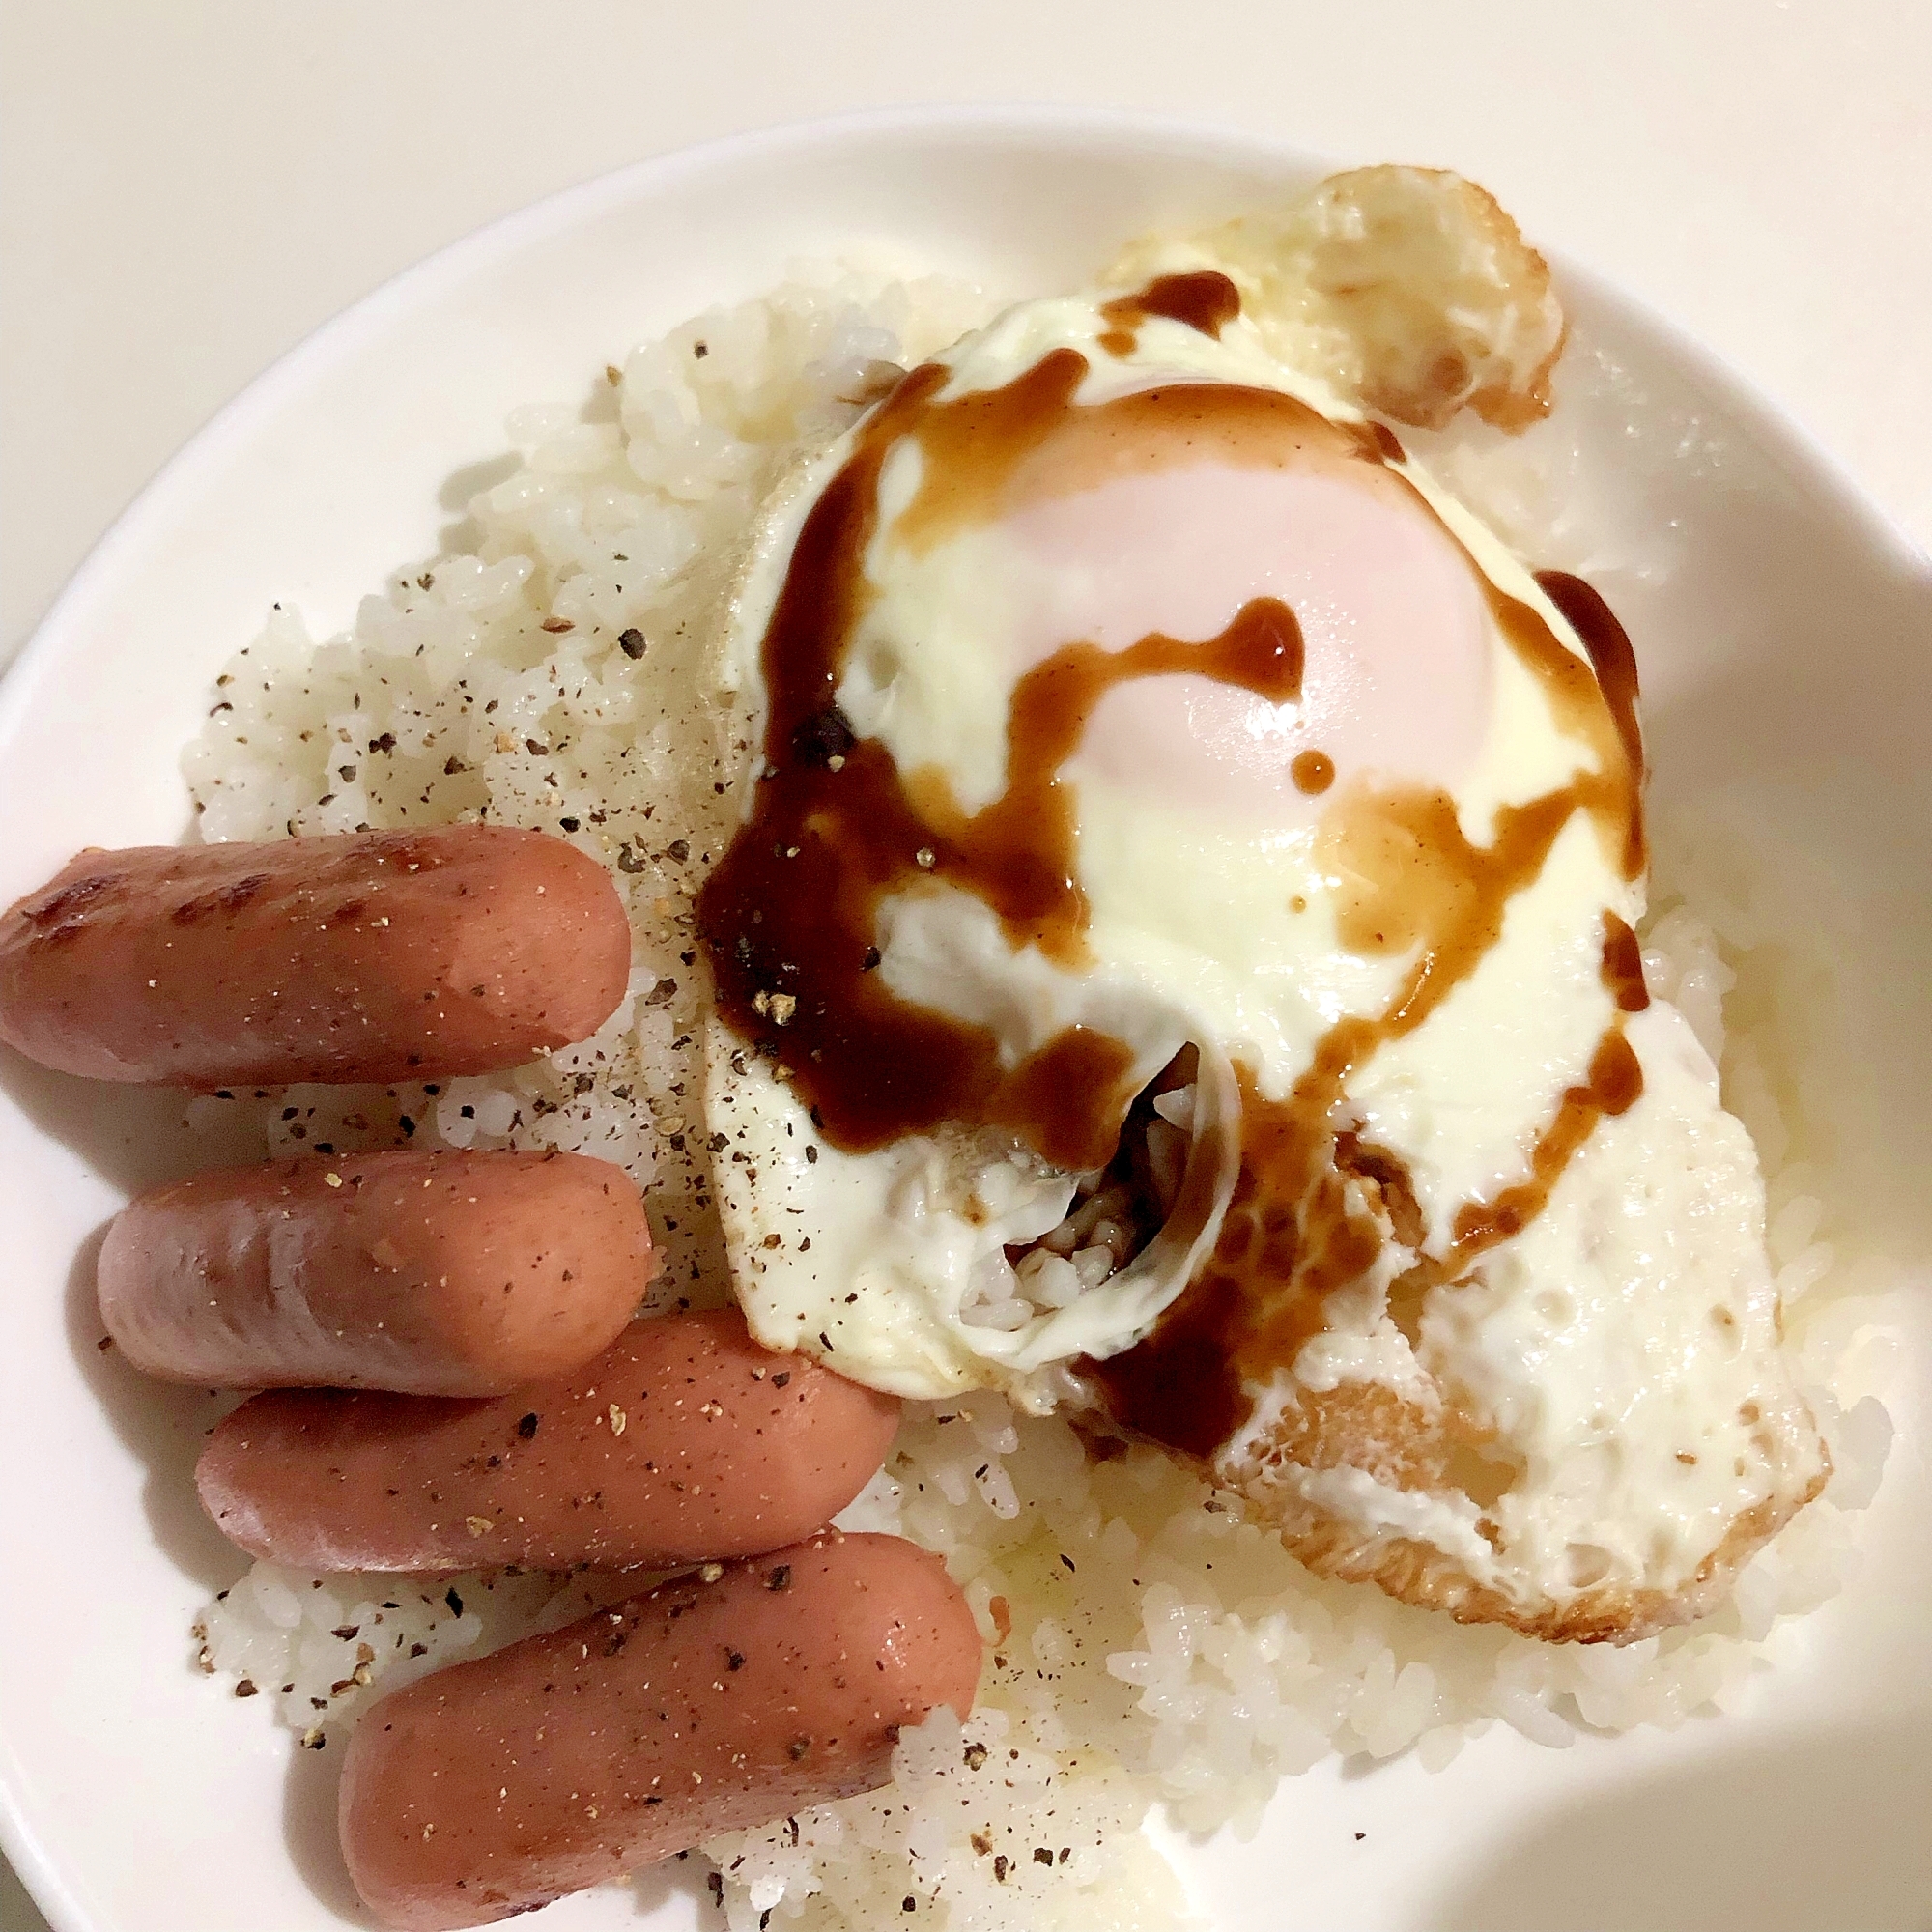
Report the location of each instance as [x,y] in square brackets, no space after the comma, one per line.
[569,824]
[1359,1837]
[245,1687]
[1067,1559]
[454,1601]
[780,1578]
[797,1749]
[678,850]
[528,1427]
[779,1379]
[1042,1856]
[385,743]
[734,1659]
[870,962]
[999,1867]
[408,1126]
[628,860]
[632,644]
[976,1756]
[909,1903]
[812,1156]
[716,1882]
[719,1143]
[451,766]
[700,350]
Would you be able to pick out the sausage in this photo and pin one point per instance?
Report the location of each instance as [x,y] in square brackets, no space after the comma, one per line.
[385,956]
[683,1440]
[565,1759]
[441,1274]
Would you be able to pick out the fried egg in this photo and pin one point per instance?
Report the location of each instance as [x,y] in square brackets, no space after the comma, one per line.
[1178,958]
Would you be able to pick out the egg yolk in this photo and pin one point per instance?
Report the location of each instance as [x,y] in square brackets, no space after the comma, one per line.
[1395,680]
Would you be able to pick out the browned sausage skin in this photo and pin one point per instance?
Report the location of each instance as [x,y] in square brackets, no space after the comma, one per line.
[699,1708]
[384,956]
[683,1440]
[441,1274]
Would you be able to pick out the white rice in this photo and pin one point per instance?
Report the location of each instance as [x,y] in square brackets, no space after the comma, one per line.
[1148,1645]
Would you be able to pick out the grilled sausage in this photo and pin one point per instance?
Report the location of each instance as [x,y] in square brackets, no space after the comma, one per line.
[385,956]
[683,1440]
[441,1274]
[568,1758]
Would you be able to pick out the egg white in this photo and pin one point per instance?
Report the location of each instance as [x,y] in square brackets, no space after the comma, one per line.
[1585,1336]
[1190,933]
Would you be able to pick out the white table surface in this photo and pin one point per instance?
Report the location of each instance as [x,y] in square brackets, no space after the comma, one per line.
[187,190]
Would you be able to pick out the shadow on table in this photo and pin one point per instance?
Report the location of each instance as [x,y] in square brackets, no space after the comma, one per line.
[1825,1828]
[133,1137]
[310,1795]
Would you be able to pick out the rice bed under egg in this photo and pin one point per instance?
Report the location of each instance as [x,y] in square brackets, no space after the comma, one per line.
[1145,1644]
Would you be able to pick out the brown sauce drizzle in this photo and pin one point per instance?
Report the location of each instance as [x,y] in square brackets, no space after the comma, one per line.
[835,828]
[1622,966]
[990,452]
[1018,852]
[1614,1086]
[792,908]
[1615,666]
[1204,300]
[1296,1231]
[1313,772]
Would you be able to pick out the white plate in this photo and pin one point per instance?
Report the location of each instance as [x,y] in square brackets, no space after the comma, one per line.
[1790,683]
